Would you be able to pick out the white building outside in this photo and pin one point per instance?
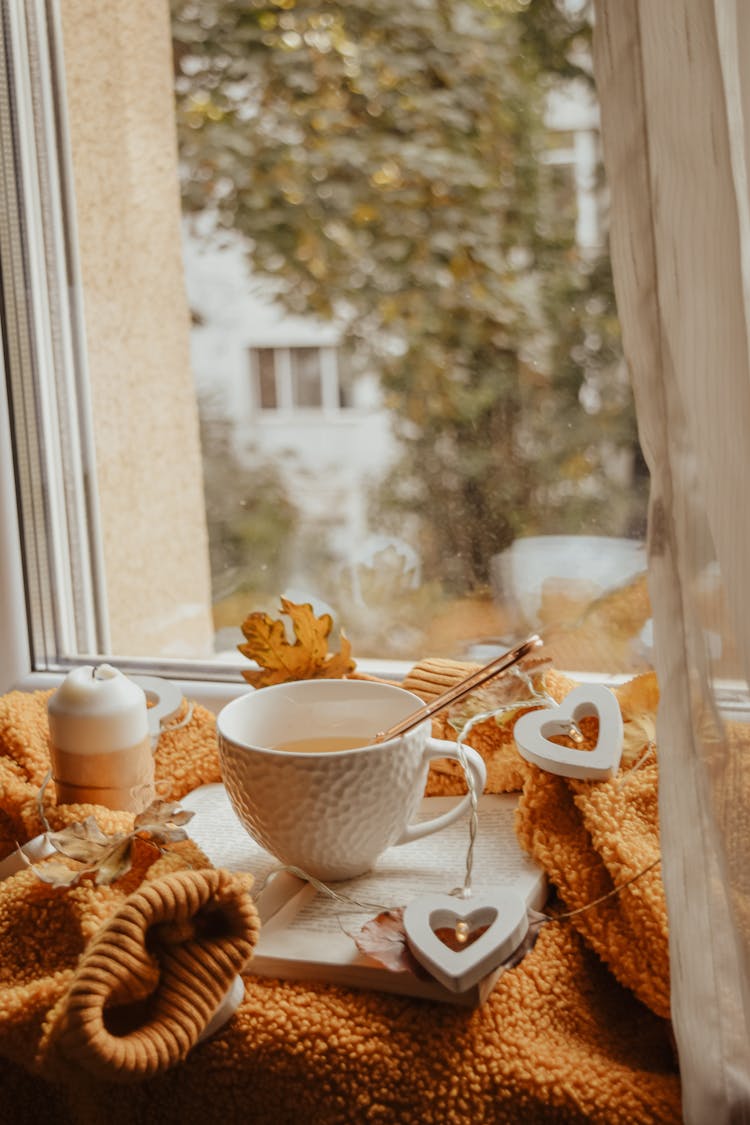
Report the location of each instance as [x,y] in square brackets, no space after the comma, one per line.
[277,378]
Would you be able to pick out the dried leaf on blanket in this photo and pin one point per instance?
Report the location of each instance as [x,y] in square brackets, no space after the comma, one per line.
[638,701]
[109,857]
[384,939]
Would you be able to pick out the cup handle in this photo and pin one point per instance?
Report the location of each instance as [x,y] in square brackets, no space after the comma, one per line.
[441,748]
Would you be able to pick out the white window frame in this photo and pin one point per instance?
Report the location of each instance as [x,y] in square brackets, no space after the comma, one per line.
[15,650]
[16,666]
[43,349]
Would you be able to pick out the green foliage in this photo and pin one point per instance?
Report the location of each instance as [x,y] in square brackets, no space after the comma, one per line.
[581,424]
[384,163]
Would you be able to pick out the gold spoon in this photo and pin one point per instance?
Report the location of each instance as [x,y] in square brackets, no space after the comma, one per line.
[462,688]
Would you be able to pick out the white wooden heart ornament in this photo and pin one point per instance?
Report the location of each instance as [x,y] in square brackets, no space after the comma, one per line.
[164,698]
[502,910]
[534,730]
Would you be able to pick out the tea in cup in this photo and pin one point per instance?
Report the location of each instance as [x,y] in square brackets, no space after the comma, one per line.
[308,781]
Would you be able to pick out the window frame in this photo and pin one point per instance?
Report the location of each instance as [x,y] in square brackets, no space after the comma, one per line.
[52,594]
[17,670]
[44,358]
[15,650]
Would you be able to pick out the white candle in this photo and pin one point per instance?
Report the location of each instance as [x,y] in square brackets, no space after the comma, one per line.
[99,740]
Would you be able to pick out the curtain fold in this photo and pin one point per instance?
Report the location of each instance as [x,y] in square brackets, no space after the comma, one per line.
[673,79]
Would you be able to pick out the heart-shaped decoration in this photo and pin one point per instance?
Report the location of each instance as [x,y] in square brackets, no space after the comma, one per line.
[533,731]
[502,911]
[164,699]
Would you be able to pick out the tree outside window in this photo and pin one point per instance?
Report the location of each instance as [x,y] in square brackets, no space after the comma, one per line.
[390,167]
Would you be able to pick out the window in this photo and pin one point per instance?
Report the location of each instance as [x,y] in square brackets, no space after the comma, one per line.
[100,395]
[436,439]
[299,378]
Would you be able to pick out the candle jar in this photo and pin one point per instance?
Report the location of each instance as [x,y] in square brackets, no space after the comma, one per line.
[100,744]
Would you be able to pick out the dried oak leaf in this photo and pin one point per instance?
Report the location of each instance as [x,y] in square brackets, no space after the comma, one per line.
[307,658]
[116,863]
[56,873]
[108,858]
[384,940]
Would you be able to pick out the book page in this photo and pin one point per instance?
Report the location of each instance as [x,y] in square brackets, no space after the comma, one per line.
[295,914]
[218,832]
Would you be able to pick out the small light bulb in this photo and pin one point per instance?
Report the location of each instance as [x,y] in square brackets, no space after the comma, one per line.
[462,932]
[574,732]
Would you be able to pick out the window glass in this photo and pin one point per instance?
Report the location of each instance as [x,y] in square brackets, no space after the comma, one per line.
[307,377]
[399,209]
[428,182]
[266,369]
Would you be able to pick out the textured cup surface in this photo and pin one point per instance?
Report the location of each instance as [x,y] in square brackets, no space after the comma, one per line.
[332,814]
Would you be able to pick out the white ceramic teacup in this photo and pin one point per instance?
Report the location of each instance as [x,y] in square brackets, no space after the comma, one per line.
[331,813]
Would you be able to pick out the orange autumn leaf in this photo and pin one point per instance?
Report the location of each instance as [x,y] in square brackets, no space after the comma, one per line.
[639,700]
[638,696]
[307,658]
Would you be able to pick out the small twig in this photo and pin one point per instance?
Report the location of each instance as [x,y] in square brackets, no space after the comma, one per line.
[40,801]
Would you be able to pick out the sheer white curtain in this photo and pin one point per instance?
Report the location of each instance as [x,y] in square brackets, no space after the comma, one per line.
[673,78]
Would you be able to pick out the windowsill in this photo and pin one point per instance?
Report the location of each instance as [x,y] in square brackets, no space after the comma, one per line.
[210,694]
[215,694]
[212,685]
[313,415]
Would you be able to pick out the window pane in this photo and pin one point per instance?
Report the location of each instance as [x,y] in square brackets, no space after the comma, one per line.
[266,368]
[448,223]
[306,376]
[399,209]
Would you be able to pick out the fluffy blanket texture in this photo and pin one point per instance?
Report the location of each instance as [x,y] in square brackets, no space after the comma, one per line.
[104,990]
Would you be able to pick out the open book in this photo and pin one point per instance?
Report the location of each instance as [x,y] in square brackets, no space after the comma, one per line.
[305,934]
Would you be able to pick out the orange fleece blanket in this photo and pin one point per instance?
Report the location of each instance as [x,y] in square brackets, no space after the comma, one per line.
[576,1032]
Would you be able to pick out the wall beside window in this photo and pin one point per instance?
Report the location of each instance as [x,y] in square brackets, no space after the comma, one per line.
[118,65]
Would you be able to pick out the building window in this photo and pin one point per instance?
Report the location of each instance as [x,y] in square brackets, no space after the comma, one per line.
[298,378]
